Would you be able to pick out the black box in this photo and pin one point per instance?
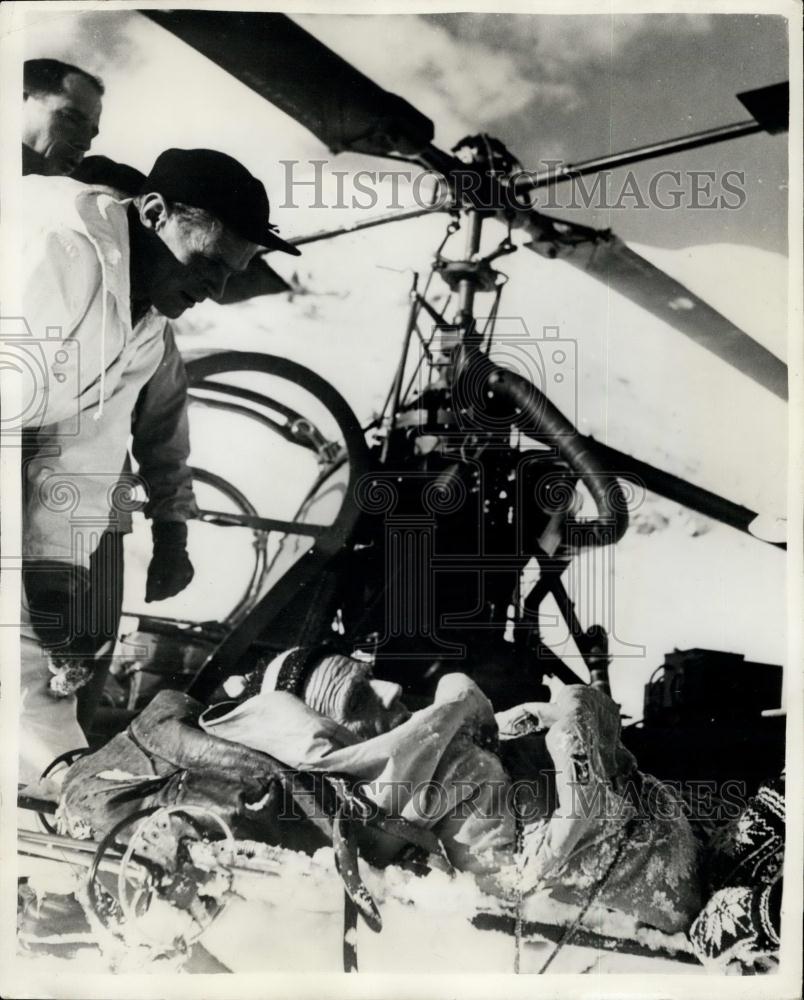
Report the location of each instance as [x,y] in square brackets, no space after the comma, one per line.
[705,685]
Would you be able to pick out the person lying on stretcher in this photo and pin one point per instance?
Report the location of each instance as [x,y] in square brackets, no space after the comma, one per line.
[563,810]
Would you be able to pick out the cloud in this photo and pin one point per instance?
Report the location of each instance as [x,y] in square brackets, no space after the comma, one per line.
[96,41]
[422,61]
[550,45]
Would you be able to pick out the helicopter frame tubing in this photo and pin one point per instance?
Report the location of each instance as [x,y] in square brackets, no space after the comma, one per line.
[328,540]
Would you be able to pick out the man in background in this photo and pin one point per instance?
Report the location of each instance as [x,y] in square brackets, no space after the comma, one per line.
[61,115]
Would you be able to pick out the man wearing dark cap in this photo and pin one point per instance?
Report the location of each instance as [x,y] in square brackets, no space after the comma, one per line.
[109,273]
[61,117]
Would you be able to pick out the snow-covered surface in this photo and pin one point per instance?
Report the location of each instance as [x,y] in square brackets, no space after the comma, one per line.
[286,915]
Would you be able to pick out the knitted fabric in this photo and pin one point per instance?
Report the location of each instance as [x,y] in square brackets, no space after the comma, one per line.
[329,686]
[739,926]
[290,669]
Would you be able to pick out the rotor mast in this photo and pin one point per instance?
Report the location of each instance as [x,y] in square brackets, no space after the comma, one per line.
[467,286]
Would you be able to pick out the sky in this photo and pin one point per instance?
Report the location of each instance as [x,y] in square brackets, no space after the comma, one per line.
[568,87]
[550,87]
[576,87]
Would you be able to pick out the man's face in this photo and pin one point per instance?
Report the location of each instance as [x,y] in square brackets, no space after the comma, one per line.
[375,708]
[191,262]
[61,127]
[368,707]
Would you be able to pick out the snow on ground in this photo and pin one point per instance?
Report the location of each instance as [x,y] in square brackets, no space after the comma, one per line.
[290,919]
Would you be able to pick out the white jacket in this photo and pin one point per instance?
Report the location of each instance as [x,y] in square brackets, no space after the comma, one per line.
[76,278]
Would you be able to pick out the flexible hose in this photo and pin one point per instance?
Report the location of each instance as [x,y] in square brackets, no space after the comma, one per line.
[483,386]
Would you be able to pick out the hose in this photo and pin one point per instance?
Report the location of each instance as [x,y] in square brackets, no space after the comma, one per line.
[483,386]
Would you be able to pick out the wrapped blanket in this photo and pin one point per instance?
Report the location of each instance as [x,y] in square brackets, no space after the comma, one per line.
[587,817]
[164,758]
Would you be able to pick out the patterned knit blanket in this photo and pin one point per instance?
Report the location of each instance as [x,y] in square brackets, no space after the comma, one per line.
[738,929]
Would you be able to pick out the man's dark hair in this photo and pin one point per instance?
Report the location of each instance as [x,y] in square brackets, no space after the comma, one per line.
[46,76]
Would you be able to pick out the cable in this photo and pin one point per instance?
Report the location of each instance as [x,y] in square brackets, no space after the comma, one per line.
[421,299]
[570,931]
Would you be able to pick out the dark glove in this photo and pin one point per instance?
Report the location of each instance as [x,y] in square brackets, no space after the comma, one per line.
[170,570]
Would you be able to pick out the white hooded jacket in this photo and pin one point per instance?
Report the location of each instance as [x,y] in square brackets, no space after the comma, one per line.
[76,288]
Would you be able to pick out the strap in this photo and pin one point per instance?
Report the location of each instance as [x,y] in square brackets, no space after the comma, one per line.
[418,836]
[344,844]
[349,934]
[370,815]
[149,786]
[69,757]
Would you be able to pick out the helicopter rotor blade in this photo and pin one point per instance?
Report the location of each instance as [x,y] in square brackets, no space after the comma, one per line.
[768,106]
[607,258]
[401,215]
[289,67]
[347,111]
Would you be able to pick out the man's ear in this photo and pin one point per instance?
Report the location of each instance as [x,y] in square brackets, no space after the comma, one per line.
[153,211]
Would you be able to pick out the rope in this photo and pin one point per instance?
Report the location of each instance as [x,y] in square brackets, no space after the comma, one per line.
[566,937]
[518,920]
[519,844]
